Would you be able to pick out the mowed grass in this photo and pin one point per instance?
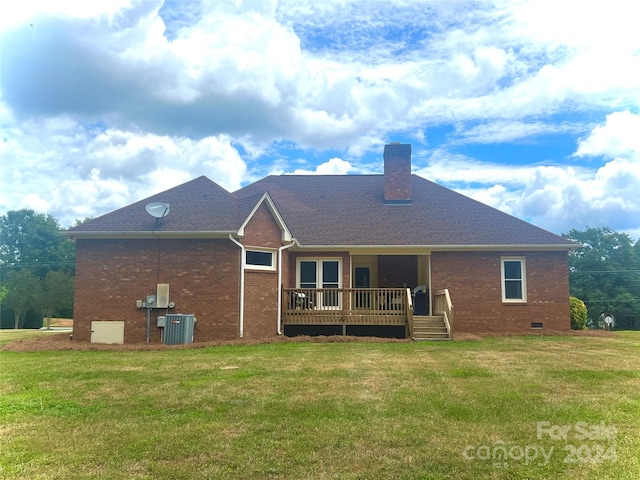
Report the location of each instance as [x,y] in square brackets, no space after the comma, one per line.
[326,411]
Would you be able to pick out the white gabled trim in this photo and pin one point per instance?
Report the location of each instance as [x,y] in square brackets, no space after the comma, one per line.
[286,234]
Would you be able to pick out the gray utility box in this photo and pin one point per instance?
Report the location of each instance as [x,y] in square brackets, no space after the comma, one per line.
[178,328]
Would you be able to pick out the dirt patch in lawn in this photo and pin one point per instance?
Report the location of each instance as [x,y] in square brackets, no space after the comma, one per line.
[570,333]
[61,322]
[62,341]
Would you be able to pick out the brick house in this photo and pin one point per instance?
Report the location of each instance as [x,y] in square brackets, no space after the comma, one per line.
[336,254]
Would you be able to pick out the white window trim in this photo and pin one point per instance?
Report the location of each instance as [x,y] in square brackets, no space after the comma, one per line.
[523,265]
[271,268]
[319,282]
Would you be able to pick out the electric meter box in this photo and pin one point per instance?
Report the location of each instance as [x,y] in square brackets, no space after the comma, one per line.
[178,328]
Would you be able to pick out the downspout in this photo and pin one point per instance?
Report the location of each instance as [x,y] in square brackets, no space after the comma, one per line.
[242,264]
[280,250]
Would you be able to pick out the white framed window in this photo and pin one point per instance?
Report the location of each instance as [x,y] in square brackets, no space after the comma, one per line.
[321,273]
[514,279]
[260,259]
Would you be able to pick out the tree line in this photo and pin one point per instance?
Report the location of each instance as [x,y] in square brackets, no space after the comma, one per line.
[37,269]
[605,275]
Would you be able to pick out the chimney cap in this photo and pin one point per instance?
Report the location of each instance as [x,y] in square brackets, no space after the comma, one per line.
[394,143]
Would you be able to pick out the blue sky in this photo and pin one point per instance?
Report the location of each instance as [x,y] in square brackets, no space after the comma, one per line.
[106,102]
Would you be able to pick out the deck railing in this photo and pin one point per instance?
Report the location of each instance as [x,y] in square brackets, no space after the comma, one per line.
[353,306]
[442,306]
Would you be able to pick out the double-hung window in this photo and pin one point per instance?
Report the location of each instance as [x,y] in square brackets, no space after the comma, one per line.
[514,281]
[323,274]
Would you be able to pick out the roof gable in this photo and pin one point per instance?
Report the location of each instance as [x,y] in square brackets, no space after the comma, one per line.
[266,199]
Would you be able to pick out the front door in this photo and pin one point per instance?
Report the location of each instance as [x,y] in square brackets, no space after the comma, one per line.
[362,280]
[363,277]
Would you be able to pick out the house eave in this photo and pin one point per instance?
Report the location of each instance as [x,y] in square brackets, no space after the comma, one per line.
[150,234]
[427,249]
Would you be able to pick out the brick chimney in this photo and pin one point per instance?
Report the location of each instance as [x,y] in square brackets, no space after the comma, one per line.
[397,173]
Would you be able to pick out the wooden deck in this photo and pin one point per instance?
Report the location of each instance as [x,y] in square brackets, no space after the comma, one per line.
[352,306]
[360,306]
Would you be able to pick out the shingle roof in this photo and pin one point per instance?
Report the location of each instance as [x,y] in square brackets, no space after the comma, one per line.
[350,210]
[333,210]
[199,205]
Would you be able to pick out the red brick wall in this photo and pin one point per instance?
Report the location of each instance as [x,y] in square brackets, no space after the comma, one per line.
[474,283]
[260,304]
[394,271]
[261,287]
[262,230]
[203,278]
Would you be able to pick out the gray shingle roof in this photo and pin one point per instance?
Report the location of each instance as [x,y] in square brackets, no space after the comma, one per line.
[333,210]
[199,205]
[350,210]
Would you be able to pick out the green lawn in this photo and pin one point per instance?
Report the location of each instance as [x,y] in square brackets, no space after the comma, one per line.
[326,410]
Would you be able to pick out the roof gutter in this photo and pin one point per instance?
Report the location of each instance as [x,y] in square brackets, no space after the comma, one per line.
[426,249]
[280,250]
[242,265]
[147,234]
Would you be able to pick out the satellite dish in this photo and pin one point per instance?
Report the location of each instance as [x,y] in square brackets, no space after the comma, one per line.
[157,210]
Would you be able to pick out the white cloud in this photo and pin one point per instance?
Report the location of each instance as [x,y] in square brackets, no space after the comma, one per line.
[34,201]
[25,12]
[618,137]
[496,196]
[458,170]
[576,25]
[107,101]
[241,68]
[333,166]
[80,172]
[561,198]
[556,198]
[504,131]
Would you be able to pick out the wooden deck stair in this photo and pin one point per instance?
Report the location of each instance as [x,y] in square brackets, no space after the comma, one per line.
[430,328]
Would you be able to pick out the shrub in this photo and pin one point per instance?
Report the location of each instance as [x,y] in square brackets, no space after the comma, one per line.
[578,313]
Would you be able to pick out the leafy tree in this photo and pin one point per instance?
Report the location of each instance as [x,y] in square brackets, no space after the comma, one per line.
[578,313]
[605,274]
[57,294]
[33,241]
[79,221]
[23,292]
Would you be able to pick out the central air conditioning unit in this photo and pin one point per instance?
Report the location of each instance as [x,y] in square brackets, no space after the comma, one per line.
[178,328]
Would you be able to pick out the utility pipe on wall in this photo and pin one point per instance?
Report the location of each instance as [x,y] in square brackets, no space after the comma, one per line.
[280,250]
[242,265]
[148,324]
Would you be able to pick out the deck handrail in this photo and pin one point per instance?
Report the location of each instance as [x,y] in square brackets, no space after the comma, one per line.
[409,313]
[442,305]
[376,306]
